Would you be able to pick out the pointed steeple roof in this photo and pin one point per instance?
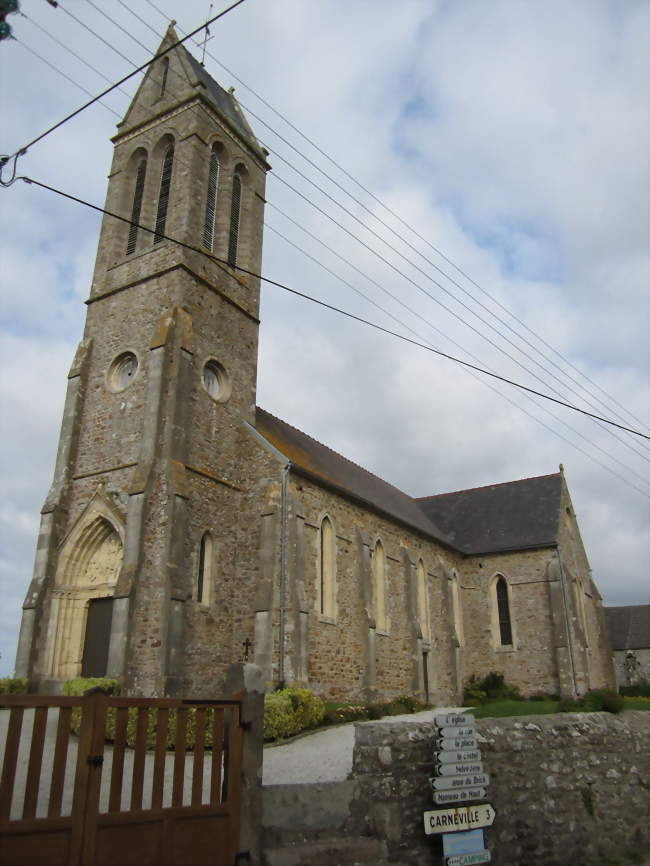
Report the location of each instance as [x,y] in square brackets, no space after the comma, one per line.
[185,77]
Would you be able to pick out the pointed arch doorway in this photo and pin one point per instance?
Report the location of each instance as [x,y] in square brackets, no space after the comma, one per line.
[81,600]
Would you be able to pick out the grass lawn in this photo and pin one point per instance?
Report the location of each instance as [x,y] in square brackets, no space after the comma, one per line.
[500,709]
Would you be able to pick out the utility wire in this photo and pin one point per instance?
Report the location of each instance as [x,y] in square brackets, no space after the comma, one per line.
[70,51]
[473,357]
[445,307]
[22,150]
[411,229]
[382,222]
[96,35]
[555,417]
[467,368]
[255,275]
[64,75]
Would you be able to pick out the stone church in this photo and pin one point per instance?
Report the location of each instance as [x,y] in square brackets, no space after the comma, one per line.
[186,528]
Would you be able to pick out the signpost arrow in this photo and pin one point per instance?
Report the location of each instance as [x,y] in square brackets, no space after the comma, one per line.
[457,757]
[462,818]
[457,743]
[462,796]
[454,719]
[445,783]
[460,769]
[458,731]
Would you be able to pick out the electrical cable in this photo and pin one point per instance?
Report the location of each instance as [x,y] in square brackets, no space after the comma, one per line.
[488,324]
[22,150]
[445,307]
[255,275]
[487,372]
[467,369]
[402,222]
[70,51]
[64,75]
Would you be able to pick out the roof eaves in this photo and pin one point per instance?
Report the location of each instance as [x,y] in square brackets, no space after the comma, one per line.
[349,494]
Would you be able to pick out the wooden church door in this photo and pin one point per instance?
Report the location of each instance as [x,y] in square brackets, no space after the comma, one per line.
[97,639]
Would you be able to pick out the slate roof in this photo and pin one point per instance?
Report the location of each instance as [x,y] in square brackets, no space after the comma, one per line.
[323,464]
[224,101]
[629,626]
[511,516]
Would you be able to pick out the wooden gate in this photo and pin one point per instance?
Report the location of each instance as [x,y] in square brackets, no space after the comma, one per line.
[114,794]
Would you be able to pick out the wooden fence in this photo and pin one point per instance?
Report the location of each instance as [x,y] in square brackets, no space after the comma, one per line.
[106,780]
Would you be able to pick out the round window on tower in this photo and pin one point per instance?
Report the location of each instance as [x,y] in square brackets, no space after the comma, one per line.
[122,371]
[216,381]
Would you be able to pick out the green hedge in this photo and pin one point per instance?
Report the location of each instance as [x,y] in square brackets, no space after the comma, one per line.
[80,685]
[290,711]
[492,687]
[13,686]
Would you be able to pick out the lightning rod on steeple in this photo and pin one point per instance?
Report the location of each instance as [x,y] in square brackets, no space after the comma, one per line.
[207,36]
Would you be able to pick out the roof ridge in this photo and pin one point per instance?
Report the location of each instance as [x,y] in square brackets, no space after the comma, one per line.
[341,456]
[486,486]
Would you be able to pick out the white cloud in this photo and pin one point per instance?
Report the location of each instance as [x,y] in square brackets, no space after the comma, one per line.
[514,136]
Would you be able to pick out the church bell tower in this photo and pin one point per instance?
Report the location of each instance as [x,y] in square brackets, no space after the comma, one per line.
[143,507]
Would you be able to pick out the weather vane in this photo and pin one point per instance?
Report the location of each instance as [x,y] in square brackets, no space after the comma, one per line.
[207,36]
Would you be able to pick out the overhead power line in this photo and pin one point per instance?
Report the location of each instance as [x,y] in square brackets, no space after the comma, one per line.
[396,216]
[270,281]
[470,372]
[429,324]
[382,222]
[22,150]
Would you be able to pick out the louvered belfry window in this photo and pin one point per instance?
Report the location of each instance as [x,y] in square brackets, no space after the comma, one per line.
[211,201]
[233,238]
[163,198]
[137,206]
[505,629]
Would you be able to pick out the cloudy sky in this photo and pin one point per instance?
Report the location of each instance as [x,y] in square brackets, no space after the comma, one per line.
[487,164]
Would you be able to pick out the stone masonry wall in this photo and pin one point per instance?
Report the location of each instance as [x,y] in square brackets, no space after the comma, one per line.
[568,789]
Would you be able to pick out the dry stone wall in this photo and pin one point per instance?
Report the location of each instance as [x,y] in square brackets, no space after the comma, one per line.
[569,789]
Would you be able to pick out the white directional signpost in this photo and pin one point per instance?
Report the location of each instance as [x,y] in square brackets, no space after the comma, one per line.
[459,779]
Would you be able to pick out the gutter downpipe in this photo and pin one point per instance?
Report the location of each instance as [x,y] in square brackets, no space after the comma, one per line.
[567,623]
[283,569]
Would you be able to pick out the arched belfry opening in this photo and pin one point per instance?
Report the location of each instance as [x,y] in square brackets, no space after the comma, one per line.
[81,598]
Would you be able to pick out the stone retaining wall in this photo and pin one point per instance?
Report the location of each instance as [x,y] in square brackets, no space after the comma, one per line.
[569,789]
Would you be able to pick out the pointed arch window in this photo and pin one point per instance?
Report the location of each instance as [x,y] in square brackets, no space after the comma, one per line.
[211,199]
[136,210]
[327,569]
[423,603]
[503,610]
[163,196]
[235,213]
[579,595]
[163,80]
[379,586]
[204,570]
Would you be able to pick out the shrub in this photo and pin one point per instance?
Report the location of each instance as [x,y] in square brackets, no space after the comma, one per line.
[13,686]
[604,700]
[79,686]
[598,700]
[408,704]
[640,690]
[308,708]
[473,693]
[492,687]
[336,714]
[289,711]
